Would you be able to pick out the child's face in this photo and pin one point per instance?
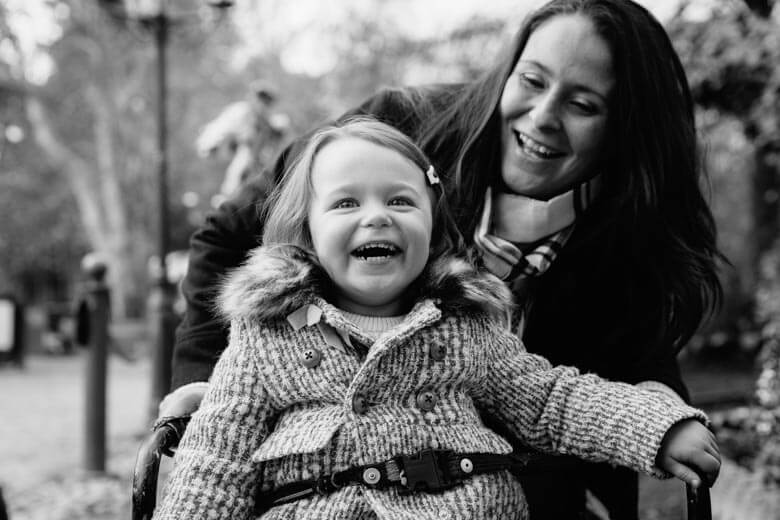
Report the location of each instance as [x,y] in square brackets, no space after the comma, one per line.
[370,221]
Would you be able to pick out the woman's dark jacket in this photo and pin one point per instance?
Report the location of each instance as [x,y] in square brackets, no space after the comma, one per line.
[584,313]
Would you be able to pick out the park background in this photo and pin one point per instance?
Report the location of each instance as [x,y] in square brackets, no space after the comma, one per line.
[79,175]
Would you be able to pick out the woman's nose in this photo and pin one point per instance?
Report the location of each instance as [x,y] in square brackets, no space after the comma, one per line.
[544,114]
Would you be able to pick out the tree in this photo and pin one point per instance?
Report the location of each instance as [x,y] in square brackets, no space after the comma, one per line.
[92,123]
[730,61]
[74,121]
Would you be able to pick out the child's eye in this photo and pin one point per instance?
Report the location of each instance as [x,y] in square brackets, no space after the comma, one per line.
[345,203]
[400,201]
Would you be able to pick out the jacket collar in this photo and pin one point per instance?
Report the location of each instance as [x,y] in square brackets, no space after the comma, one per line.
[277,280]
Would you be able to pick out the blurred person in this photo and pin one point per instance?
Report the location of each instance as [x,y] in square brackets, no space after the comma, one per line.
[248,133]
[572,167]
[362,274]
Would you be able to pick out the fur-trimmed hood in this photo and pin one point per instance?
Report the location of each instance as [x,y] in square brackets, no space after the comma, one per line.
[277,280]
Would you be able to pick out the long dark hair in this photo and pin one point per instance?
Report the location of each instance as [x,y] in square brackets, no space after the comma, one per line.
[651,206]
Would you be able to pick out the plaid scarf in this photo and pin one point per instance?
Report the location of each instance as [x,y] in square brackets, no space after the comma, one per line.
[505,259]
[538,260]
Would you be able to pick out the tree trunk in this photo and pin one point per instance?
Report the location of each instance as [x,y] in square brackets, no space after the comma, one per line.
[97,196]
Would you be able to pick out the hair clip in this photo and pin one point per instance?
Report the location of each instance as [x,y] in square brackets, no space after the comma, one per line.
[432,177]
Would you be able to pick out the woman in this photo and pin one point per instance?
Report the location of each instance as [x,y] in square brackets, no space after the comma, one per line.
[573,164]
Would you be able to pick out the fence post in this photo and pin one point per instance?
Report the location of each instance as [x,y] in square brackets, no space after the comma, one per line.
[95,310]
[12,331]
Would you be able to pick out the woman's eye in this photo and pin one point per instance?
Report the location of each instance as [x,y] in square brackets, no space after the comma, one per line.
[532,80]
[400,201]
[345,203]
[584,107]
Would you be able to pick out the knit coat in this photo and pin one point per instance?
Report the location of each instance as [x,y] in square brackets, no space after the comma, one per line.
[272,417]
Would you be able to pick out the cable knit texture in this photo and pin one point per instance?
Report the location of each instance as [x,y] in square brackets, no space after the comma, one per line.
[268,419]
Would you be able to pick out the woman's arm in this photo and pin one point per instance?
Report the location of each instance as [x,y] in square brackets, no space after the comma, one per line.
[220,244]
[213,472]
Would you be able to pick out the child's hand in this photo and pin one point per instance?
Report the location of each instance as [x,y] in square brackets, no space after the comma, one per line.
[689,452]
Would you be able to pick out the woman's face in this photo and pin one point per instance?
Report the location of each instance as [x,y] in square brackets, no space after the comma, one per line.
[554,108]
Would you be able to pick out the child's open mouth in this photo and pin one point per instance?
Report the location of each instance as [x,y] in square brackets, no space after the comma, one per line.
[376,251]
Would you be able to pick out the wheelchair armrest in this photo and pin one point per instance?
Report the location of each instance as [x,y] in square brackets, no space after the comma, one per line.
[698,500]
[164,438]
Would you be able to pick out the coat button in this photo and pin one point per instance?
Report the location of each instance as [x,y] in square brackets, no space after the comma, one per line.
[359,404]
[426,401]
[311,357]
[438,352]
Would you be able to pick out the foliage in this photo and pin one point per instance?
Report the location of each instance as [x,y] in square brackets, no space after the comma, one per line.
[96,114]
[750,435]
[728,57]
[730,60]
[99,107]
[41,242]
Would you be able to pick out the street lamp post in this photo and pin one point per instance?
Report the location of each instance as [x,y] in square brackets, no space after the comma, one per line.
[152,14]
[161,304]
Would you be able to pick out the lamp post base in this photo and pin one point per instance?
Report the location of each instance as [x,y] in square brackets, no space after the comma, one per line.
[163,322]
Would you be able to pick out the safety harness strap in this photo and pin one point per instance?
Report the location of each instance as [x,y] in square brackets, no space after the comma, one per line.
[428,470]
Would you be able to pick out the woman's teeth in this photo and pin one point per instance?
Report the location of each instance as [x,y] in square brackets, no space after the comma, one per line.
[532,147]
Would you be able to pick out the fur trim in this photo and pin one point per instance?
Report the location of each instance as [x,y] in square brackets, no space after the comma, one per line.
[461,287]
[277,280]
[274,281]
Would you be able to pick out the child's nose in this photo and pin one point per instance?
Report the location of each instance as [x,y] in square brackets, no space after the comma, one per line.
[377,216]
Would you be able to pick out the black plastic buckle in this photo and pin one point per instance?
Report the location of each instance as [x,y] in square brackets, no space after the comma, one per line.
[424,471]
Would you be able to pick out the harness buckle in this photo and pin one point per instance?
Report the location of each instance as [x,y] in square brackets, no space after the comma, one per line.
[425,471]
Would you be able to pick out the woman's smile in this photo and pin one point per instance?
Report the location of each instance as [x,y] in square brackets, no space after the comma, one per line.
[535,149]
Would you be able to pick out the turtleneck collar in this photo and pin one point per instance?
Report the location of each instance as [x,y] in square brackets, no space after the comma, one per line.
[524,220]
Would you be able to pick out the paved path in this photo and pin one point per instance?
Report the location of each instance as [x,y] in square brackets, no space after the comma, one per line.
[42,430]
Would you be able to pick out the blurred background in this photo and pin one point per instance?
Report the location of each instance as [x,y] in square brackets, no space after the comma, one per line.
[122,123]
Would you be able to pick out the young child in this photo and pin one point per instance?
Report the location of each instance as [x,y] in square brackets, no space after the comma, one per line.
[363,349]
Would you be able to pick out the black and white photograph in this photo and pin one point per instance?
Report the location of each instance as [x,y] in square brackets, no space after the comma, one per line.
[390,259]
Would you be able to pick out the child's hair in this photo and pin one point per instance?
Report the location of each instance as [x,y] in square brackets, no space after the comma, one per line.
[286,209]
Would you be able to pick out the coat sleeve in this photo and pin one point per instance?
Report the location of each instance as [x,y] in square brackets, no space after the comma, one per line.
[213,475]
[558,410]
